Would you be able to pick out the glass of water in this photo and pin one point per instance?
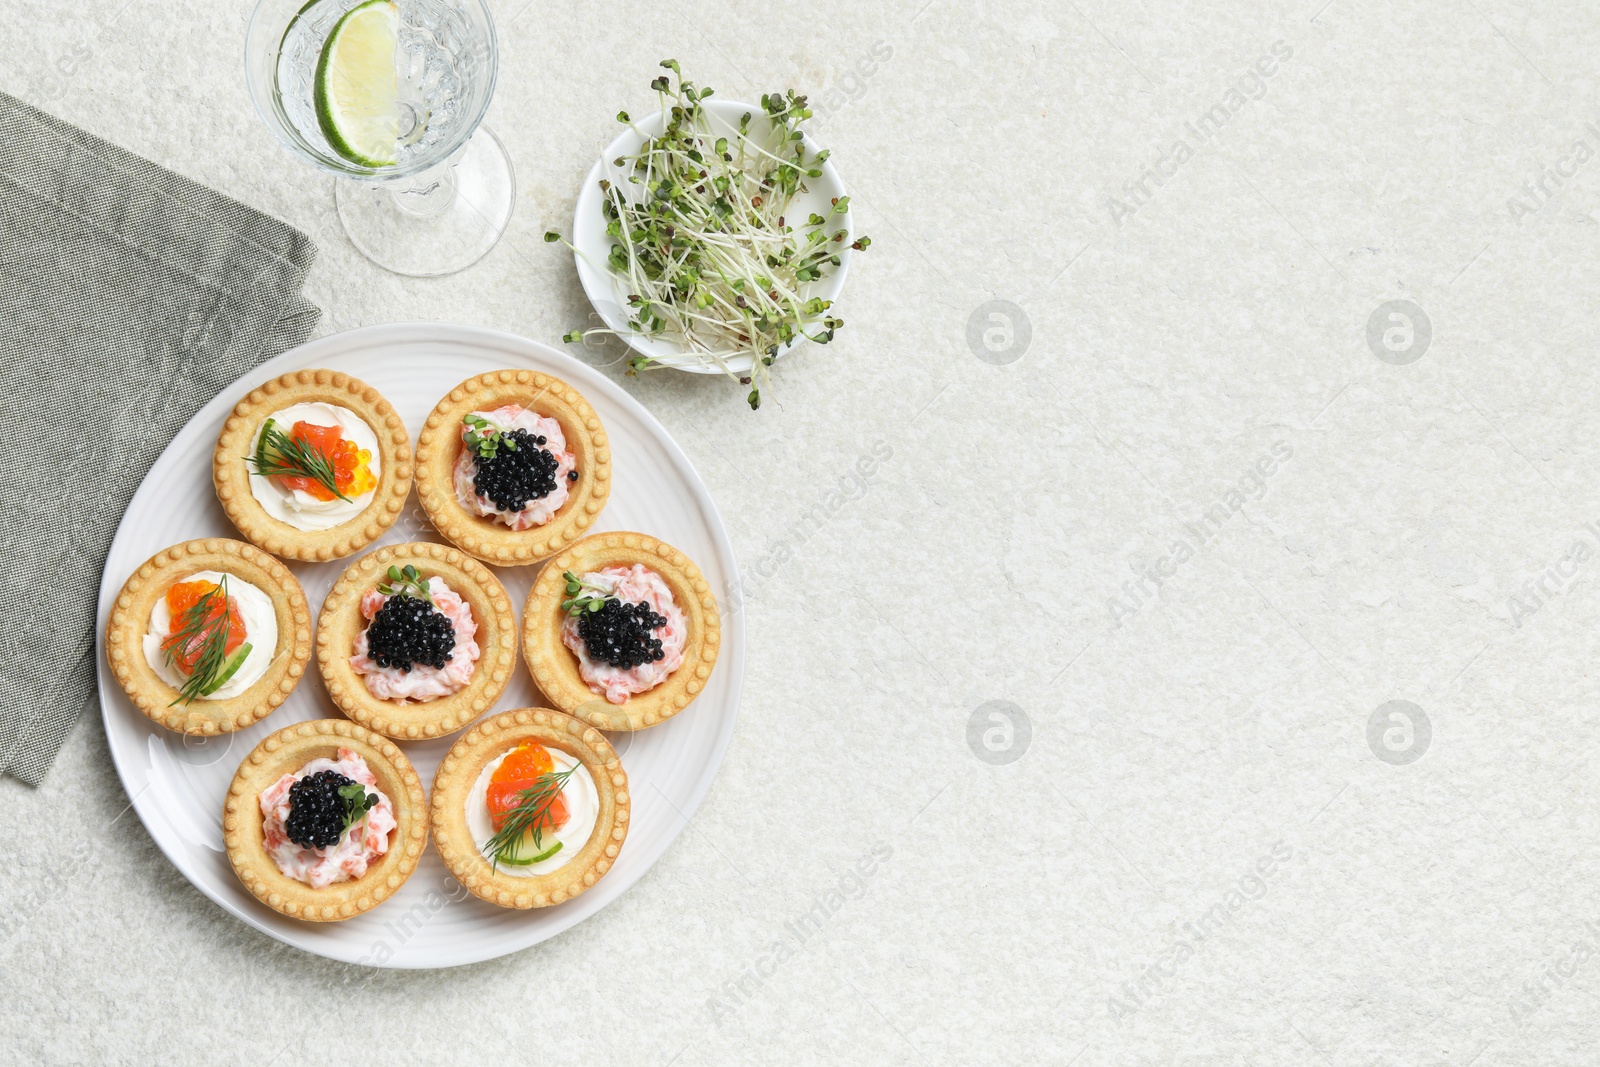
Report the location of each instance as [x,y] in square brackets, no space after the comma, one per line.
[390,95]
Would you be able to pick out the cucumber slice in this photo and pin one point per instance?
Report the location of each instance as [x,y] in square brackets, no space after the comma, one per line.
[229,669]
[522,854]
[547,853]
[261,447]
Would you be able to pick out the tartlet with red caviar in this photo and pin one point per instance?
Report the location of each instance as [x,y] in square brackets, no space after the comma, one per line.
[209,636]
[313,465]
[530,808]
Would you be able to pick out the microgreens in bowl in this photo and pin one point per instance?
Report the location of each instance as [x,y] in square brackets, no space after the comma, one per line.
[706,243]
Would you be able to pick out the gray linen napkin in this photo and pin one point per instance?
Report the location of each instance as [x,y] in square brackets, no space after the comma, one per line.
[129,296]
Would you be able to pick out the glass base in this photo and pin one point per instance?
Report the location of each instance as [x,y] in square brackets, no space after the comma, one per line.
[438,222]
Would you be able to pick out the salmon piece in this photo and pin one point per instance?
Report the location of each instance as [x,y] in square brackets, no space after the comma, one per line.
[350,462]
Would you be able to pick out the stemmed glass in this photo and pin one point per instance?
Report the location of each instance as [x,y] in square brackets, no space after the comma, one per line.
[438,198]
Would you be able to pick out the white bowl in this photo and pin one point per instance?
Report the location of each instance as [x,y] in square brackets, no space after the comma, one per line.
[606,291]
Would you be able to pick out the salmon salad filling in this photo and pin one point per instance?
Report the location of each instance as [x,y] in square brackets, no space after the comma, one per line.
[327,822]
[625,628]
[514,466]
[420,642]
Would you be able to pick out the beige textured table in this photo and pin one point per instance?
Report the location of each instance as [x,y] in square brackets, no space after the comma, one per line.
[1262,502]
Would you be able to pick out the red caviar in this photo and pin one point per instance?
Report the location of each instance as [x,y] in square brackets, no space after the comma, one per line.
[518,772]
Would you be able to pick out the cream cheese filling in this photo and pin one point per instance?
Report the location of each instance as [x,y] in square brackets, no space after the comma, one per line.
[297,507]
[260,631]
[583,809]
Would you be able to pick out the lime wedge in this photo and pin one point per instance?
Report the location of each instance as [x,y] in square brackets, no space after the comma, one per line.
[356,85]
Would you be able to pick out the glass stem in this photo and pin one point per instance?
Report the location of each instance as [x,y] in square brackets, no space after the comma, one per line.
[429,194]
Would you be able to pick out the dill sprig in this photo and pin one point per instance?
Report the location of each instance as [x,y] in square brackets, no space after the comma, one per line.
[282,456]
[199,628]
[531,814]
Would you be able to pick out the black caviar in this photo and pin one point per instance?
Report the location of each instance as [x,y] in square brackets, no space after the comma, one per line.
[408,632]
[316,810]
[515,476]
[619,634]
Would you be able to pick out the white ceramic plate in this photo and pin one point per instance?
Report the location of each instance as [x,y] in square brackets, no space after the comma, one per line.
[606,291]
[177,783]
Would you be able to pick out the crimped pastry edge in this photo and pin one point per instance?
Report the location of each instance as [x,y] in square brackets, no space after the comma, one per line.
[129,621]
[287,751]
[231,476]
[459,771]
[439,444]
[341,620]
[555,668]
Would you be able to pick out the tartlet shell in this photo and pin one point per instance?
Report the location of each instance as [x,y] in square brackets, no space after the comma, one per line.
[555,667]
[130,621]
[439,444]
[230,473]
[459,772]
[341,622]
[285,752]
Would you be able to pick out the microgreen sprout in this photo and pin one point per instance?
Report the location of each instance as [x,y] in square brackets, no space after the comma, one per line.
[583,596]
[357,802]
[703,237]
[406,581]
[484,438]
